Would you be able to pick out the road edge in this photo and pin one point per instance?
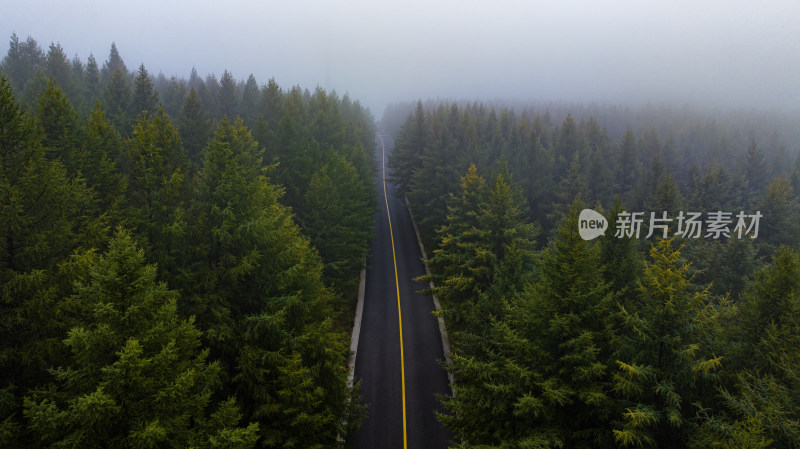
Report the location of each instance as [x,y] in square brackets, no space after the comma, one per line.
[356,333]
[436,304]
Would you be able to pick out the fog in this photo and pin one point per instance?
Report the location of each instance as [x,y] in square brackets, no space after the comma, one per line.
[742,54]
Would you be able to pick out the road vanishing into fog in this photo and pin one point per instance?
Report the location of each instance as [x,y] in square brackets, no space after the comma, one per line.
[399,345]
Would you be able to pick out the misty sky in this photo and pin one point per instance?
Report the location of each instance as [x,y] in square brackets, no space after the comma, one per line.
[732,53]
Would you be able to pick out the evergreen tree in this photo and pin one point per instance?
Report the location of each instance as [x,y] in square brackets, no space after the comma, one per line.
[259,298]
[157,184]
[63,130]
[144,98]
[462,265]
[57,67]
[628,162]
[137,376]
[406,156]
[538,376]
[228,101]
[270,111]
[117,100]
[22,61]
[338,222]
[195,128]
[779,224]
[112,64]
[43,219]
[92,80]
[174,96]
[102,149]
[756,167]
[295,149]
[663,369]
[248,107]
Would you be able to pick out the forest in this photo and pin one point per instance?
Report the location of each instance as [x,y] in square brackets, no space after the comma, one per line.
[179,257]
[180,260]
[620,341]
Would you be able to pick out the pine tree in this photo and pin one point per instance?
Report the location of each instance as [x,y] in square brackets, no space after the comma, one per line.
[628,162]
[664,365]
[112,64]
[174,96]
[462,265]
[157,184]
[57,67]
[406,156]
[338,222]
[137,376]
[295,149]
[195,128]
[63,131]
[228,101]
[144,98]
[102,147]
[248,107]
[22,61]
[117,100]
[92,80]
[257,292]
[43,220]
[756,167]
[535,374]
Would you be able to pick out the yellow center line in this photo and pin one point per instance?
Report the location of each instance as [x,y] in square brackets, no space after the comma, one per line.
[397,287]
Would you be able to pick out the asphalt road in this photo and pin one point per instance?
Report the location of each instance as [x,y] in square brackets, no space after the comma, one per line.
[378,360]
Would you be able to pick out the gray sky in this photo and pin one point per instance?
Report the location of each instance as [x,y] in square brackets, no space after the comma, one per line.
[731,53]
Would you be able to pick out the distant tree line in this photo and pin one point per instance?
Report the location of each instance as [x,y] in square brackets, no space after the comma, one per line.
[178,258]
[616,342]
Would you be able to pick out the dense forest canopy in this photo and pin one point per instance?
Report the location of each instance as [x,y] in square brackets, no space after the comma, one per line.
[168,273]
[179,261]
[632,340]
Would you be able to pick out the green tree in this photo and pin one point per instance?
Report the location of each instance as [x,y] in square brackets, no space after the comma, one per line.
[43,219]
[117,100]
[406,156]
[145,98]
[102,148]
[22,61]
[137,376]
[155,165]
[195,128]
[248,107]
[63,130]
[338,222]
[664,364]
[92,80]
[228,101]
[295,149]
[538,375]
[112,64]
[258,296]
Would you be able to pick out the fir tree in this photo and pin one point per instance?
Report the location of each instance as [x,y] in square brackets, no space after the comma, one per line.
[144,98]
[663,369]
[194,127]
[259,298]
[43,219]
[137,375]
[406,157]
[338,222]
[157,184]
